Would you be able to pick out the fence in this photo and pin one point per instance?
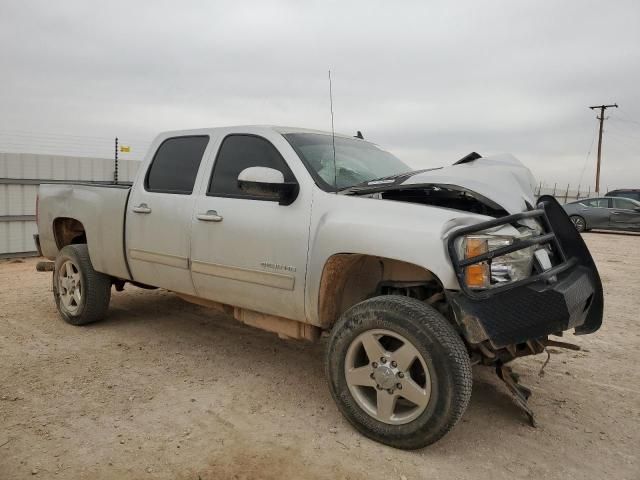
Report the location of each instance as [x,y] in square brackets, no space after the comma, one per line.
[20,175]
[566,194]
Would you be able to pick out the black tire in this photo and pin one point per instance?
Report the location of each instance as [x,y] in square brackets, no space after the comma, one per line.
[579,222]
[440,346]
[95,291]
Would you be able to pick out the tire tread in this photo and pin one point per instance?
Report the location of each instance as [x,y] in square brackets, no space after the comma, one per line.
[97,287]
[418,316]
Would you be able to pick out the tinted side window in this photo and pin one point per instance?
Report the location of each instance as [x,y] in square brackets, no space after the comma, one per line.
[623,203]
[175,165]
[632,195]
[238,152]
[597,203]
[625,194]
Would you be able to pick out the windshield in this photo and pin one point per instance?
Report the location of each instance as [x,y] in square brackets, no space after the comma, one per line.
[357,161]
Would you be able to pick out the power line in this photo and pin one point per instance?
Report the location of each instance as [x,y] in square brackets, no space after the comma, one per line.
[601,118]
[625,142]
[27,138]
[586,158]
[63,145]
[624,128]
[59,135]
[19,146]
[624,115]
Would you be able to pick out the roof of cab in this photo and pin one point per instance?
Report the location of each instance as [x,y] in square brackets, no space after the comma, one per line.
[279,129]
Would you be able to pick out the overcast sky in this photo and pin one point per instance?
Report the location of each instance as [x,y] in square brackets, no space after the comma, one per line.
[429,81]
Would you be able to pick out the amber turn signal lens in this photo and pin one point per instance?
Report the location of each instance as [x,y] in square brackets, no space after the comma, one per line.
[475,247]
[477,275]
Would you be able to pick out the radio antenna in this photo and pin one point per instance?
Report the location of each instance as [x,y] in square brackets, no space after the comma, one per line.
[333,137]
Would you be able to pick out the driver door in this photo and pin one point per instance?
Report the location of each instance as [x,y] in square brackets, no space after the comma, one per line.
[249,251]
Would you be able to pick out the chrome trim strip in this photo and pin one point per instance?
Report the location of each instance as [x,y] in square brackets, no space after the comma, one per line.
[162,258]
[276,280]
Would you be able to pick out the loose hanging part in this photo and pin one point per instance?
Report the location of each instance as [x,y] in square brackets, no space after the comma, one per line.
[546,362]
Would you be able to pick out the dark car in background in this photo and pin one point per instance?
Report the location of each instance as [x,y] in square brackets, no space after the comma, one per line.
[632,193]
[609,213]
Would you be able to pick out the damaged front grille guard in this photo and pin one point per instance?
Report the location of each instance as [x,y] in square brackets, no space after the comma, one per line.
[520,393]
[459,265]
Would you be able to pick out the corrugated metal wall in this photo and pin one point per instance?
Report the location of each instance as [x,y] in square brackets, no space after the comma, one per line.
[20,175]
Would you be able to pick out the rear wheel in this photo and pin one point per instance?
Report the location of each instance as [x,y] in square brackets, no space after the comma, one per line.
[81,294]
[578,222]
[398,371]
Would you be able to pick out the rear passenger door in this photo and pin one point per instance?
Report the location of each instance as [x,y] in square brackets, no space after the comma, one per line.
[250,251]
[158,218]
[624,214]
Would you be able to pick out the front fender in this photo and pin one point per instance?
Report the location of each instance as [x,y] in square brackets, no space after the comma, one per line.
[411,233]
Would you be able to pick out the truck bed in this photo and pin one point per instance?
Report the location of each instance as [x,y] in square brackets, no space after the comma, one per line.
[101,210]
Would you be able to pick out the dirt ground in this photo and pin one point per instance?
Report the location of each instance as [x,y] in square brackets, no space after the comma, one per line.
[166,389]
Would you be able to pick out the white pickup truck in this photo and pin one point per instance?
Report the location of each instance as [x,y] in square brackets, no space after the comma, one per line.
[414,275]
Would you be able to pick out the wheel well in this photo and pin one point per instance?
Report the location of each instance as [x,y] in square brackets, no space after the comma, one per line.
[68,231]
[349,278]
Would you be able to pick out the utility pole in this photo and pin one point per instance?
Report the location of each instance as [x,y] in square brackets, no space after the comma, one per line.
[602,119]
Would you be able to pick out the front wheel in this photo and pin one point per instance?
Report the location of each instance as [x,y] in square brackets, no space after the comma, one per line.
[578,222]
[398,371]
[82,295]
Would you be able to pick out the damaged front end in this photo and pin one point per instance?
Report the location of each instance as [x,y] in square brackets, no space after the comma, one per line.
[511,319]
[524,274]
[563,290]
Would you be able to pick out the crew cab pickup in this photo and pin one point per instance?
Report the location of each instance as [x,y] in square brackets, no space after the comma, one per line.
[413,275]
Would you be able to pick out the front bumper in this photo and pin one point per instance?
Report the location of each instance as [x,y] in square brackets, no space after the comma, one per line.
[569,295]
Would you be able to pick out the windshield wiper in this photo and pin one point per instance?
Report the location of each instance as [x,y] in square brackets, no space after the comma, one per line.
[380,183]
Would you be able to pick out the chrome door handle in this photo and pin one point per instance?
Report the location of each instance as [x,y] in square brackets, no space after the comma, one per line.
[142,208]
[616,213]
[210,216]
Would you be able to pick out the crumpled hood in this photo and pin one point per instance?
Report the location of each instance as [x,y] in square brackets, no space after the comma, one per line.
[501,178]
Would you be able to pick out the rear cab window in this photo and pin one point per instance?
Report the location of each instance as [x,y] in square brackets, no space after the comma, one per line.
[175,165]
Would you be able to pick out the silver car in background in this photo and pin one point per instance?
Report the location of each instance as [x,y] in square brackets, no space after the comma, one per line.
[608,213]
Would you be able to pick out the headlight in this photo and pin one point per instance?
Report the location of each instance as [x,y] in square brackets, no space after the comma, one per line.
[506,268]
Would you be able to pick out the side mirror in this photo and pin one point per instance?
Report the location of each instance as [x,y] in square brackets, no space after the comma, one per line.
[267,183]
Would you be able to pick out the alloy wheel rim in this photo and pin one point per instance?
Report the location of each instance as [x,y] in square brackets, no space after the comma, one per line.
[387,376]
[70,286]
[578,222]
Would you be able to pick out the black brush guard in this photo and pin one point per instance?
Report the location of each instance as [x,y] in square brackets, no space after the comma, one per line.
[568,295]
